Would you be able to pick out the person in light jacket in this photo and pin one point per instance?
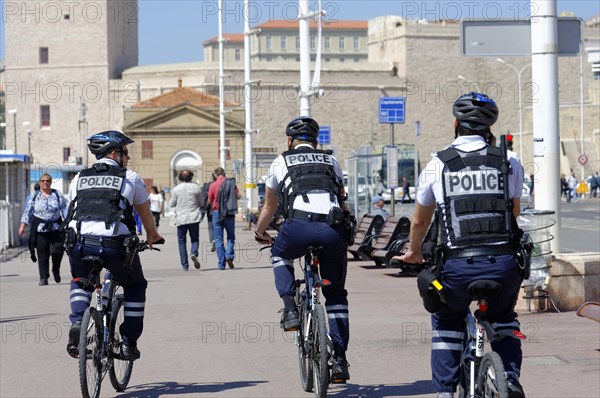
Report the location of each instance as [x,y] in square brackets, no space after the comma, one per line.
[186,201]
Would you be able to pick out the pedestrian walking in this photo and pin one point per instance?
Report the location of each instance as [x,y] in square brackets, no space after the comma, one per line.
[223,195]
[572,184]
[44,213]
[207,212]
[406,190]
[186,202]
[156,204]
[595,184]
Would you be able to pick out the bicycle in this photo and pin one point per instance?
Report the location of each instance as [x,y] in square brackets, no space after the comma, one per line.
[312,337]
[482,374]
[100,340]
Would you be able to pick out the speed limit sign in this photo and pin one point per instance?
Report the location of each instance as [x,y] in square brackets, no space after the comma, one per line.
[583,159]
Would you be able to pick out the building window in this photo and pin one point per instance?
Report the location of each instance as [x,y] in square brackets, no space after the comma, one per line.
[269,59]
[147,150]
[356,59]
[269,43]
[66,154]
[342,59]
[342,43]
[356,43]
[313,40]
[45,115]
[237,54]
[43,55]
[327,59]
[327,42]
[283,42]
[298,42]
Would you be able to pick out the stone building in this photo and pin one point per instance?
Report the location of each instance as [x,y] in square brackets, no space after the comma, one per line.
[421,62]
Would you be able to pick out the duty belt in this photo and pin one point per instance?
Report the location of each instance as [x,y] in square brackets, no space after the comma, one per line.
[488,251]
[114,242]
[315,217]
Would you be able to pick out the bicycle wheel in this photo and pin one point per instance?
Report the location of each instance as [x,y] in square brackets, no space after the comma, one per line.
[491,380]
[320,354]
[304,349]
[119,370]
[90,351]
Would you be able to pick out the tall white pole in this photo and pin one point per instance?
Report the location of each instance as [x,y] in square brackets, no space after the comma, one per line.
[581,112]
[250,167]
[544,49]
[304,33]
[222,152]
[520,114]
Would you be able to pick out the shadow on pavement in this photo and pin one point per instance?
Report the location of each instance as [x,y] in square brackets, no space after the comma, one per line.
[161,389]
[418,387]
[25,318]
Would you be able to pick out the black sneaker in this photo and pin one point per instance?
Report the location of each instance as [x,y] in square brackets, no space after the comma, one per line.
[56,277]
[196,262]
[339,370]
[43,282]
[290,321]
[515,390]
[73,344]
[129,351]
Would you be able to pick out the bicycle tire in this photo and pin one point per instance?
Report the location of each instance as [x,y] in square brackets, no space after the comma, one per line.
[491,380]
[119,371]
[90,347]
[304,349]
[320,354]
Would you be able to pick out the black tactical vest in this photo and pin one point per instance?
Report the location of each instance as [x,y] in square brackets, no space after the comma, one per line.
[474,210]
[308,170]
[99,196]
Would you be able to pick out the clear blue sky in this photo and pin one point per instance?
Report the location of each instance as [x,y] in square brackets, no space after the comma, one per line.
[172,31]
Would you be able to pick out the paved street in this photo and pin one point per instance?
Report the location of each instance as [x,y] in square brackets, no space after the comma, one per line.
[216,333]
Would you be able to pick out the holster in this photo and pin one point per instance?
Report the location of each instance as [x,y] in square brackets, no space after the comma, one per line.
[523,255]
[336,216]
[70,238]
[350,224]
[430,290]
[131,248]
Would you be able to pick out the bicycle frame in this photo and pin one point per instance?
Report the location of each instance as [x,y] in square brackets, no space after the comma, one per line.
[475,344]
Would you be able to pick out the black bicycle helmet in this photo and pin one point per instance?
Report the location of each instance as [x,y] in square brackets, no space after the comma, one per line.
[102,143]
[303,128]
[475,111]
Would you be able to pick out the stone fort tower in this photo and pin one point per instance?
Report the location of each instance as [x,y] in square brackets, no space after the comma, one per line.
[60,59]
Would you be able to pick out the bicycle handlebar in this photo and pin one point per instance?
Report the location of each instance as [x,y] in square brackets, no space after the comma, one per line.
[143,245]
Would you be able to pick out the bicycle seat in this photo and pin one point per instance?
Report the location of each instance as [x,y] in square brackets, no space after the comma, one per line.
[484,288]
[96,262]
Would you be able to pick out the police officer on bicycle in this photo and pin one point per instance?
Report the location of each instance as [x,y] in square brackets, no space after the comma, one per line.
[464,185]
[307,184]
[99,221]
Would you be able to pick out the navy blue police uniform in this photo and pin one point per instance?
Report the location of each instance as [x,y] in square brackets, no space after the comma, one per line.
[100,216]
[466,183]
[308,183]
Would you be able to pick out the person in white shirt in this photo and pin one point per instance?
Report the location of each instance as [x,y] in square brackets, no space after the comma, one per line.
[156,204]
[99,219]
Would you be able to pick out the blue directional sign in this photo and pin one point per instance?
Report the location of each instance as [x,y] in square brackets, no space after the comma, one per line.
[391,109]
[324,135]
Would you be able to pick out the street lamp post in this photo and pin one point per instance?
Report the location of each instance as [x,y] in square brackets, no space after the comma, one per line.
[27,124]
[14,113]
[519,73]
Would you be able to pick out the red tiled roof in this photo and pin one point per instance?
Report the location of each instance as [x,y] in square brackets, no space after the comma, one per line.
[230,37]
[293,24]
[182,95]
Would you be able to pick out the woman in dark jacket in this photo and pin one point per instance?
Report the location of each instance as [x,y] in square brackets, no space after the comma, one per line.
[43,213]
